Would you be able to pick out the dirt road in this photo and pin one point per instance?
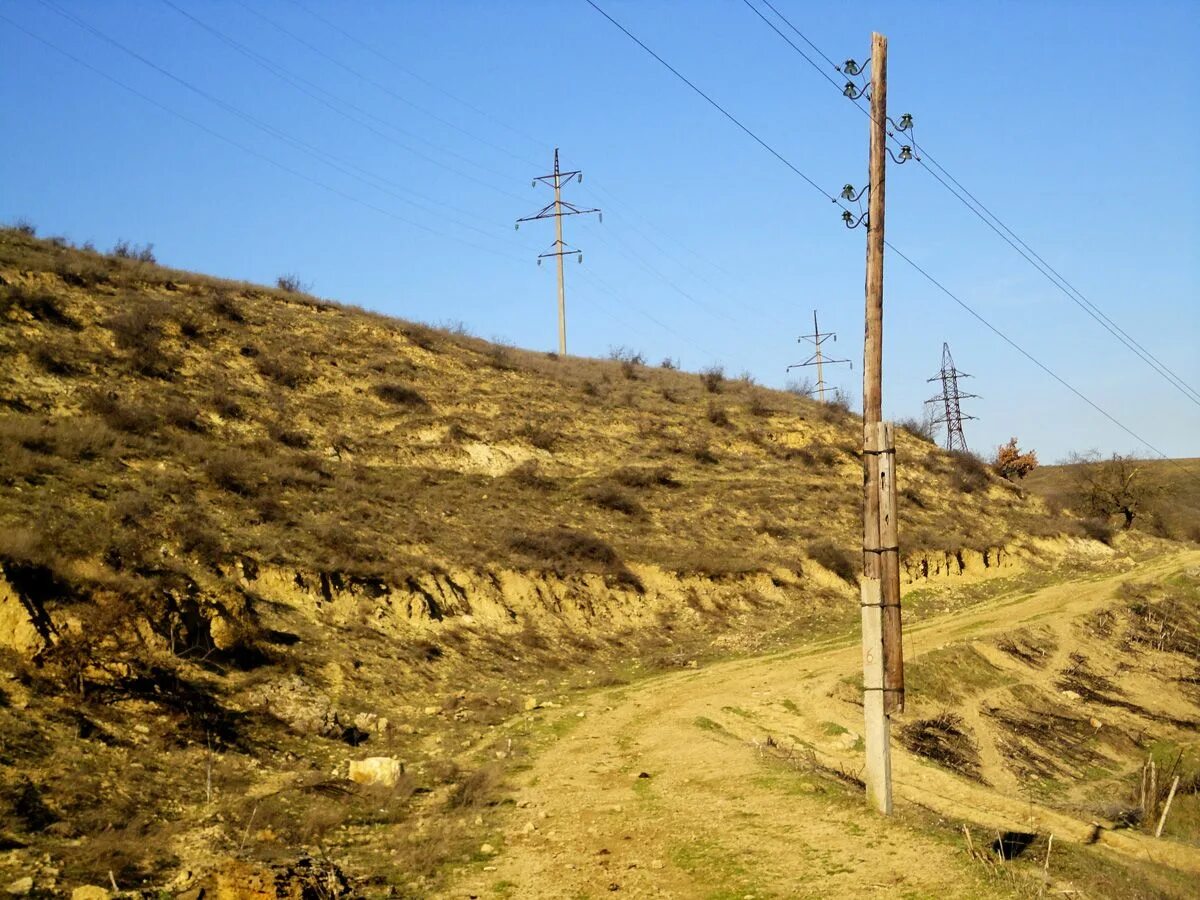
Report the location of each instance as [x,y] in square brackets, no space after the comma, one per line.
[667,788]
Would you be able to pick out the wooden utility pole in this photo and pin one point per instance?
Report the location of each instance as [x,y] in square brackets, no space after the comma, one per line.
[556,210]
[883,661]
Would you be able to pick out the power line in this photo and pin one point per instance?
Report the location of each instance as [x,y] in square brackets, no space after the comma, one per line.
[250,150]
[624,249]
[370,179]
[1004,337]
[1011,238]
[903,256]
[336,104]
[445,93]
[308,87]
[366,79]
[314,91]
[599,286]
[714,103]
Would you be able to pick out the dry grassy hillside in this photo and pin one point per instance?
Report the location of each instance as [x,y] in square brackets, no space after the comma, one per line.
[1167,492]
[244,532]
[149,408]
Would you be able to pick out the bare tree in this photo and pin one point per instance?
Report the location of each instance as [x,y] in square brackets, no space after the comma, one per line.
[1108,487]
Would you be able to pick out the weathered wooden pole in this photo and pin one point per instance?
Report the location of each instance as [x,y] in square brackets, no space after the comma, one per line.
[883,662]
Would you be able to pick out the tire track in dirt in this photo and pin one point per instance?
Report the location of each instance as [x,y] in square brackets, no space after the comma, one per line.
[715,818]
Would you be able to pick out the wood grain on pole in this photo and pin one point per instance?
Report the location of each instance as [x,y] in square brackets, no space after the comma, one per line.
[873,356]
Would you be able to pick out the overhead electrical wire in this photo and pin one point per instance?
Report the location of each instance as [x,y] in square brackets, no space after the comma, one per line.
[985,215]
[409,72]
[249,150]
[617,203]
[891,246]
[623,248]
[299,82]
[602,289]
[378,85]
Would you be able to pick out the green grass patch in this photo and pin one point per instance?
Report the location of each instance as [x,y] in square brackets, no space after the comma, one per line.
[951,674]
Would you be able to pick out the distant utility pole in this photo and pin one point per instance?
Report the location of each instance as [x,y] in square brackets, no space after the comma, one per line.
[817,338]
[556,210]
[949,401]
[883,659]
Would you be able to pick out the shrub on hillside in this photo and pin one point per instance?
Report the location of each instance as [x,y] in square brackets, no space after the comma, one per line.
[818,453]
[292,437]
[836,406]
[57,361]
[969,474]
[607,495]
[1010,462]
[228,408]
[226,306]
[565,549]
[500,357]
[542,437]
[138,328]
[235,472]
[528,475]
[290,283]
[836,559]
[42,306]
[924,429]
[629,359]
[180,412]
[400,395]
[287,370]
[713,379]
[123,249]
[420,335]
[644,477]
[1098,530]
[131,414]
[758,405]
[718,416]
[776,530]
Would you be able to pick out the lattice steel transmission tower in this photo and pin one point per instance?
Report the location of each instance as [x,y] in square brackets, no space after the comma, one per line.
[952,414]
[818,359]
[556,210]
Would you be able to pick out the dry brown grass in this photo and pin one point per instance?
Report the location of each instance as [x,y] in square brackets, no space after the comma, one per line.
[163,431]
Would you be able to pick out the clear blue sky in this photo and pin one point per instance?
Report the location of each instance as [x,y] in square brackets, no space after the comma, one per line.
[1073,121]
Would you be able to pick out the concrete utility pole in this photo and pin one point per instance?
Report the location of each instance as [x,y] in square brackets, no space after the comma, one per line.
[883,661]
[818,359]
[556,210]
